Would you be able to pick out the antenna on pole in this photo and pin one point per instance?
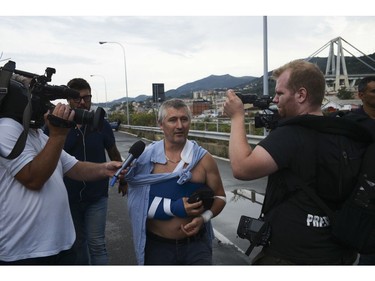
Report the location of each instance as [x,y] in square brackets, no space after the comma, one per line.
[265,64]
[265,58]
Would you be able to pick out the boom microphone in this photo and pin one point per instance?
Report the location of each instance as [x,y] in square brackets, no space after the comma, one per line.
[134,152]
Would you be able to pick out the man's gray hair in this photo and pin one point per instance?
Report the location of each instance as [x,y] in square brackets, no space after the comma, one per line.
[175,103]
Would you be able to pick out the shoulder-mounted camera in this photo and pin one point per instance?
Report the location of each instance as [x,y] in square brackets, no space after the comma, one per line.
[18,88]
[26,97]
[269,117]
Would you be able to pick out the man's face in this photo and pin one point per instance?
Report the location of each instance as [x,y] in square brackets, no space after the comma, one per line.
[285,99]
[368,96]
[84,102]
[176,125]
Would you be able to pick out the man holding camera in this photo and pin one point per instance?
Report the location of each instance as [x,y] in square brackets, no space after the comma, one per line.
[167,229]
[35,221]
[295,239]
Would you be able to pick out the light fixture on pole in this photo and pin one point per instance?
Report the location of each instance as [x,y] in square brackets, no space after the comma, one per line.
[126,78]
[105,88]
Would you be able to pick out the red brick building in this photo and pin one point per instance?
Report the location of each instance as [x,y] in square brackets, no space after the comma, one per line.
[199,106]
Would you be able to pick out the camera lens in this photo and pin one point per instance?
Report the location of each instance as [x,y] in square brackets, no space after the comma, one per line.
[96,118]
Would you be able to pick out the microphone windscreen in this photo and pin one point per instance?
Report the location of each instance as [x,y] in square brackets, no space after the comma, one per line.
[137,148]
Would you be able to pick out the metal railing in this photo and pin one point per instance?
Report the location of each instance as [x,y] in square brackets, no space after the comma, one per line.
[251,139]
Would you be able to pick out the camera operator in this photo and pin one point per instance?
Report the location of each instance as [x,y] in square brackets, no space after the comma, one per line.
[35,222]
[300,88]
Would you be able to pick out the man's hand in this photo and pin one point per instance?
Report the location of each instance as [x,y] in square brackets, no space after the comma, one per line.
[62,111]
[193,209]
[112,167]
[193,227]
[233,105]
[123,188]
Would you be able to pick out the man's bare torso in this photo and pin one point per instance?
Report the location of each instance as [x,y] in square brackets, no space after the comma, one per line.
[172,228]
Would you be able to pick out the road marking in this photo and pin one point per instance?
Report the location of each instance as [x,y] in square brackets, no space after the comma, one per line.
[225,240]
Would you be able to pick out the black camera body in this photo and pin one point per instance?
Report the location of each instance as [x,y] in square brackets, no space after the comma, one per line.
[268,118]
[259,102]
[17,94]
[257,231]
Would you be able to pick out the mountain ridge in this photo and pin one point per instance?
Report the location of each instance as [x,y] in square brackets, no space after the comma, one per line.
[208,83]
[211,82]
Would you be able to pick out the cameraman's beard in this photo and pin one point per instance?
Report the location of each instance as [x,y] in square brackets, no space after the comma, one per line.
[84,106]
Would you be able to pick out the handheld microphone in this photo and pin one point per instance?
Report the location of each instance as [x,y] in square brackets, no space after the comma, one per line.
[134,152]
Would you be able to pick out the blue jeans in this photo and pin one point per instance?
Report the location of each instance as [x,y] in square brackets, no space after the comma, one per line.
[89,221]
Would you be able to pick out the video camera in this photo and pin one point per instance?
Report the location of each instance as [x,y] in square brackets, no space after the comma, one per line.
[269,117]
[257,231]
[15,97]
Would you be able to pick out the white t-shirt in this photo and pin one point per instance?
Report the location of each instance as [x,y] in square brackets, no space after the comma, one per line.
[32,223]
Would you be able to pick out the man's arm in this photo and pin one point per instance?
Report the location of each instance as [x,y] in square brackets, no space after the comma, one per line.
[115,155]
[246,163]
[90,171]
[213,180]
[34,174]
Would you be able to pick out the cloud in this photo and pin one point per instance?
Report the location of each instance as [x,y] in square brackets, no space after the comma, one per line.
[173,50]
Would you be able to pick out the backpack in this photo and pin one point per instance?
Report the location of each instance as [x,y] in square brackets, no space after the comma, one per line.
[6,84]
[352,220]
[5,74]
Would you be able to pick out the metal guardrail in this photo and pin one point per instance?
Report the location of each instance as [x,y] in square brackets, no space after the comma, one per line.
[251,139]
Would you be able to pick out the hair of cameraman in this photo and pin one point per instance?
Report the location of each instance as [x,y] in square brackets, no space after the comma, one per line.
[306,75]
[79,84]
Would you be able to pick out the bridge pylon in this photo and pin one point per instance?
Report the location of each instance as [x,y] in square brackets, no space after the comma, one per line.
[336,66]
[336,73]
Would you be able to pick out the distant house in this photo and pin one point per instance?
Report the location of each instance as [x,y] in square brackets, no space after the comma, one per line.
[332,103]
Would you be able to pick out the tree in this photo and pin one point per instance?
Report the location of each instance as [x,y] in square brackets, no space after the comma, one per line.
[144,119]
[344,94]
[117,116]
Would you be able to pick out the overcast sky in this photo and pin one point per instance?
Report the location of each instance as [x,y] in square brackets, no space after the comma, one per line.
[175,42]
[168,49]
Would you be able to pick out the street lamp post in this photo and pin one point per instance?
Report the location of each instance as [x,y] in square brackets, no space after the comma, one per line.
[126,78]
[105,88]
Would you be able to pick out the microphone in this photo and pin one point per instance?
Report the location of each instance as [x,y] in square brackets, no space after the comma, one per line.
[134,152]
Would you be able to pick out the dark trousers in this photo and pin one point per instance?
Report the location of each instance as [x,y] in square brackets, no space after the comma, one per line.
[195,250]
[367,259]
[264,259]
